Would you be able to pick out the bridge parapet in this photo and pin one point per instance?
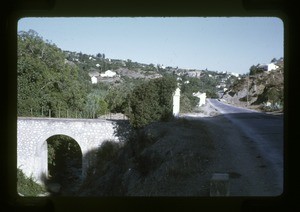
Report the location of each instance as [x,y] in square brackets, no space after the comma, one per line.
[33,132]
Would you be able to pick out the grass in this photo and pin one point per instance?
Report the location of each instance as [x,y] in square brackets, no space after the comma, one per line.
[165,158]
[28,186]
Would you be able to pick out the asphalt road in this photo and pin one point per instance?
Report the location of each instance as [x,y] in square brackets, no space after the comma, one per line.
[265,131]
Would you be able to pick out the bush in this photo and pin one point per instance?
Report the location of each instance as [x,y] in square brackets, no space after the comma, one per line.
[27,186]
[102,157]
[108,151]
[148,162]
[151,101]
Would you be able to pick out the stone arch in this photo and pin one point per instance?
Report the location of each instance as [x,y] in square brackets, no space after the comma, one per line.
[64,147]
[41,152]
[32,153]
[67,167]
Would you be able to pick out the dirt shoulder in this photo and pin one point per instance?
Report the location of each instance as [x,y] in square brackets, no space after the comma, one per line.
[178,158]
[236,154]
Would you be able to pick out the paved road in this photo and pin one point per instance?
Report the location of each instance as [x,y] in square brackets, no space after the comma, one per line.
[264,130]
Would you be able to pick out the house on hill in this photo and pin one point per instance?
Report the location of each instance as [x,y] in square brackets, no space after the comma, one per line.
[202,98]
[108,73]
[94,76]
[94,80]
[268,67]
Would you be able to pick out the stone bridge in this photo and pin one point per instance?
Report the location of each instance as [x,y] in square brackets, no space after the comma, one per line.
[32,135]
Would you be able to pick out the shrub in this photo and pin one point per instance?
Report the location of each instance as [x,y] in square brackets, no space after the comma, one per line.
[147,162]
[108,151]
[27,186]
[151,101]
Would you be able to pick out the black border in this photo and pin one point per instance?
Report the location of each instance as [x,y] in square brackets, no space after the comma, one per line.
[12,11]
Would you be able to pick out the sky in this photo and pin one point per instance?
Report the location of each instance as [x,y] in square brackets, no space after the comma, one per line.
[217,44]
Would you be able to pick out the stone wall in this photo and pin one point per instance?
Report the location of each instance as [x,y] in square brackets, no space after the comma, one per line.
[32,133]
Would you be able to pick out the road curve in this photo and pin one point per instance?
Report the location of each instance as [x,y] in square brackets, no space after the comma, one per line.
[264,130]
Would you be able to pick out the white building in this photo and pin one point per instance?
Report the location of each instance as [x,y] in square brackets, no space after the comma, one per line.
[93,75]
[235,74]
[268,67]
[272,66]
[94,80]
[202,98]
[108,73]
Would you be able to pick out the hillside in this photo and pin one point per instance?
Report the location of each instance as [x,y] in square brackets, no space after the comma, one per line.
[94,65]
[45,71]
[155,162]
[262,91]
[59,83]
[172,157]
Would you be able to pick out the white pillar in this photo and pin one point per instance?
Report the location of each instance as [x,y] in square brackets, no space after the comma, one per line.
[202,99]
[176,102]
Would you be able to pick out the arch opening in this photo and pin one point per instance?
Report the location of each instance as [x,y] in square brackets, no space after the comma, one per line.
[64,164]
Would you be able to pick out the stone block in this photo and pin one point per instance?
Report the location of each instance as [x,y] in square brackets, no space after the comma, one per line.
[219,185]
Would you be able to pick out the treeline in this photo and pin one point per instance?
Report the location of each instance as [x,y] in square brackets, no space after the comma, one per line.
[45,81]
[49,85]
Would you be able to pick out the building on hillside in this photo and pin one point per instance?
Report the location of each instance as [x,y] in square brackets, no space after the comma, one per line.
[272,66]
[94,79]
[202,98]
[268,67]
[195,73]
[108,73]
[94,76]
[234,74]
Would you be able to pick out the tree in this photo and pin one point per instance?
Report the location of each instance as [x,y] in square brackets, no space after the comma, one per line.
[45,81]
[129,64]
[274,60]
[95,104]
[255,70]
[117,97]
[151,101]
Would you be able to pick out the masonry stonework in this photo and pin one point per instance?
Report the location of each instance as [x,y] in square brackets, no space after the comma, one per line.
[32,135]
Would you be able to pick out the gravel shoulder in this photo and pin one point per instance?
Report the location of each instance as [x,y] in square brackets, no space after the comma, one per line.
[235,153]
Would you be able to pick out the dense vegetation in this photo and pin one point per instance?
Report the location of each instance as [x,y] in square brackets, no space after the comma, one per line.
[27,186]
[152,101]
[56,83]
[45,82]
[50,84]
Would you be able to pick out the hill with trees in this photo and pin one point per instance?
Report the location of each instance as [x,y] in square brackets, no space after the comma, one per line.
[57,83]
[260,89]
[47,85]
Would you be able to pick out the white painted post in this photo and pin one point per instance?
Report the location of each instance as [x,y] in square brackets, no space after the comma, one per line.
[176,102]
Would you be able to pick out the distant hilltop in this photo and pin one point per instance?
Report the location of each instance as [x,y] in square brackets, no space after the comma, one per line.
[101,69]
[263,89]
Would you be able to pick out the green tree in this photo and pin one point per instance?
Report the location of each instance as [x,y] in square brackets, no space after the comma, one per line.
[96,104]
[117,97]
[255,70]
[151,101]
[45,81]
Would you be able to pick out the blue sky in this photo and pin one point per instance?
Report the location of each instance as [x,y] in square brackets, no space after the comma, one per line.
[219,44]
